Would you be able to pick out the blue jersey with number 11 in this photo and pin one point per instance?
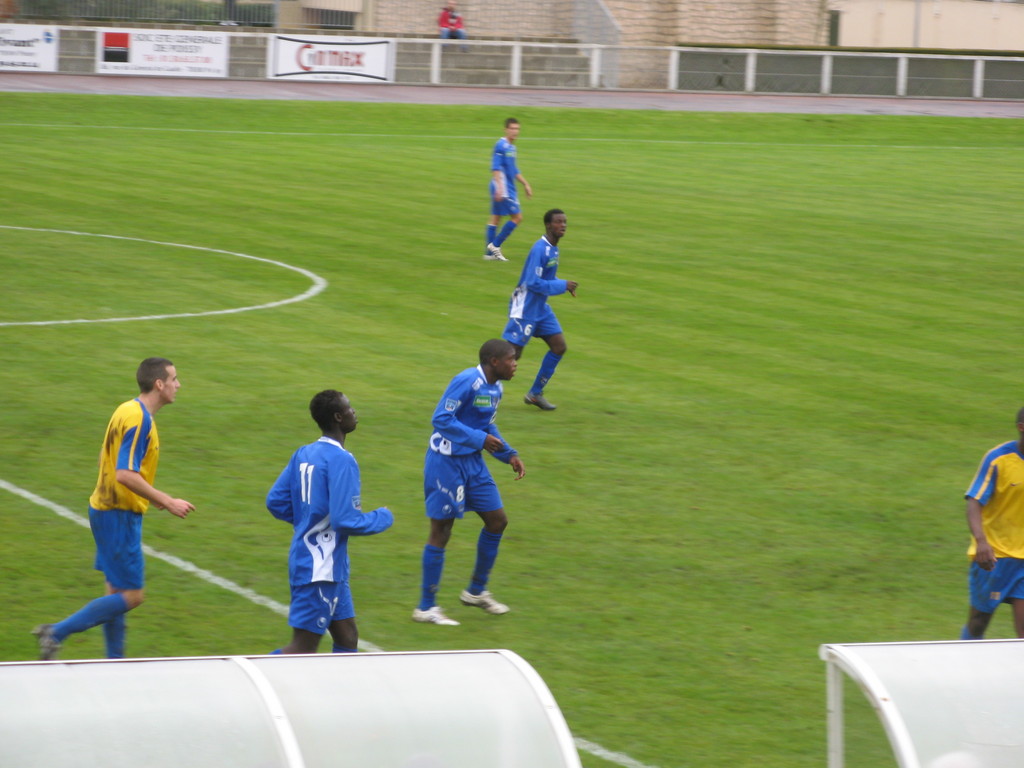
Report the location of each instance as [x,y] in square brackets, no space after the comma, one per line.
[318,493]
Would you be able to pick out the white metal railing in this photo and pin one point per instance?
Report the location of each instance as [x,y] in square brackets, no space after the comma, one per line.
[844,73]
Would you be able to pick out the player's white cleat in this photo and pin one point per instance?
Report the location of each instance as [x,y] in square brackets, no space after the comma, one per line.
[433,615]
[484,600]
[494,253]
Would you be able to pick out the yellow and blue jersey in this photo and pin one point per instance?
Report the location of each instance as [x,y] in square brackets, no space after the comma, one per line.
[998,486]
[132,443]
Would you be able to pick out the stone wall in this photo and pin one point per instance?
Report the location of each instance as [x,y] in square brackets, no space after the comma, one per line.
[642,22]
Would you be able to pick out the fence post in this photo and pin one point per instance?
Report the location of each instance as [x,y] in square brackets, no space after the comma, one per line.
[595,66]
[435,63]
[750,76]
[901,76]
[978,91]
[516,75]
[826,74]
[673,69]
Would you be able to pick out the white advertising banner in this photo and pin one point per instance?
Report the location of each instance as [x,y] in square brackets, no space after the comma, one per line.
[322,57]
[28,48]
[166,53]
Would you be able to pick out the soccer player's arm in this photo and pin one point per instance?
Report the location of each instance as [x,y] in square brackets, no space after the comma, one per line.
[526,185]
[507,451]
[138,485]
[507,454]
[279,497]
[518,176]
[534,271]
[134,445]
[347,518]
[445,420]
[498,173]
[978,494]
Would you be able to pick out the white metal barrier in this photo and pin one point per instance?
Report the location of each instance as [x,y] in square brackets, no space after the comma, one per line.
[943,704]
[457,709]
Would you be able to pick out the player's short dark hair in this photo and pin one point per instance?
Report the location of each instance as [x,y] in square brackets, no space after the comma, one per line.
[510,121]
[1020,416]
[151,370]
[493,348]
[323,406]
[549,215]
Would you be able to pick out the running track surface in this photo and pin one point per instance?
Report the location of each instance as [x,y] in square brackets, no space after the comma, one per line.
[505,97]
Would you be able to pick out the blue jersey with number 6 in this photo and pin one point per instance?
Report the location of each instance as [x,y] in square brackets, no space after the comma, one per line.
[538,280]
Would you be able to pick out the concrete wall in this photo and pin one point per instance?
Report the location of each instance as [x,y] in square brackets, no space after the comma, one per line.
[957,24]
[643,22]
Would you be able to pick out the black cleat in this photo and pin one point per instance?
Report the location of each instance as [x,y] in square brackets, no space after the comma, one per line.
[539,400]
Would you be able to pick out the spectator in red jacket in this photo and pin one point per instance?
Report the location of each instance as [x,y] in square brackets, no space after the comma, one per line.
[450,23]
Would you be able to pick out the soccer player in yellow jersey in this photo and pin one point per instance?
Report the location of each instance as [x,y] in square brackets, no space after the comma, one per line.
[995,515]
[124,490]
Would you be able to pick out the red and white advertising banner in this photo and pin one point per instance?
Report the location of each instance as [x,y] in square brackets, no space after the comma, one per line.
[161,52]
[28,48]
[321,57]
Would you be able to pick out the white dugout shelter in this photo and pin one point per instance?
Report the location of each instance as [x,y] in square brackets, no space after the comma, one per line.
[942,704]
[457,709]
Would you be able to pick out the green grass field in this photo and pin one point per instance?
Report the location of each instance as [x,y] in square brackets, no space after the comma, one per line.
[789,351]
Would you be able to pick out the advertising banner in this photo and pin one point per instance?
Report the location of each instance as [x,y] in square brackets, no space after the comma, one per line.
[28,48]
[166,53]
[322,57]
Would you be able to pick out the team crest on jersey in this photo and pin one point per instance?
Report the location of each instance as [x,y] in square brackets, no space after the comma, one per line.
[451,404]
[482,401]
[357,503]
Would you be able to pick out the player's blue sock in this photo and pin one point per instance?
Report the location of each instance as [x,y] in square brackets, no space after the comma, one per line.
[965,634]
[275,652]
[113,631]
[505,232]
[547,370]
[99,611]
[492,230]
[486,554]
[335,648]
[433,566]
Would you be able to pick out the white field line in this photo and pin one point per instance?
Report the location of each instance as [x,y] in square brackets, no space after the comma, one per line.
[574,139]
[282,610]
[318,282]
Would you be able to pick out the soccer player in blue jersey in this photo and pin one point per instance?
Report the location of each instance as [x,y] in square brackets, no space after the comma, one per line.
[319,494]
[124,490]
[456,478]
[504,201]
[995,516]
[528,312]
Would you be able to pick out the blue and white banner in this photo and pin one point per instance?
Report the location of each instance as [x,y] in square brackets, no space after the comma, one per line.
[323,57]
[28,48]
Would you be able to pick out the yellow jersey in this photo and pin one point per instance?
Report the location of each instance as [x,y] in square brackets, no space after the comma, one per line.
[132,443]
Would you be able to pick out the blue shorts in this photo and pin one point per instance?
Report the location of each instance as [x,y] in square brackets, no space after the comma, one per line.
[507,207]
[1003,583]
[314,606]
[118,537]
[519,332]
[453,484]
